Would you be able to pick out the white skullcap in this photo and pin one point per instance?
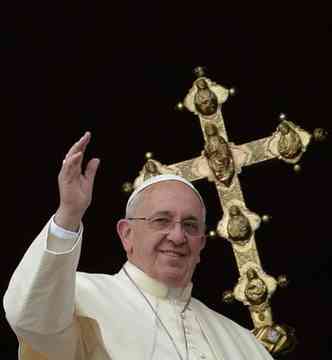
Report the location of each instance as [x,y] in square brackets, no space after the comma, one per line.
[159,178]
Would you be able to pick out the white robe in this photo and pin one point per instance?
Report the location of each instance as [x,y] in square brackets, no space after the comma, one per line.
[58,313]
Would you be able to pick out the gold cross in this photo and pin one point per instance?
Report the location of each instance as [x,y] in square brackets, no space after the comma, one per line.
[220,162]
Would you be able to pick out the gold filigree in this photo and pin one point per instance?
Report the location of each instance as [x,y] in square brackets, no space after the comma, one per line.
[228,195]
[193,169]
[245,257]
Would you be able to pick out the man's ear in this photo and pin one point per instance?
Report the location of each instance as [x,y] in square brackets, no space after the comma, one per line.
[124,230]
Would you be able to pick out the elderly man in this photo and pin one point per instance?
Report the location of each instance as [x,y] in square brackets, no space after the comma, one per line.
[145,311]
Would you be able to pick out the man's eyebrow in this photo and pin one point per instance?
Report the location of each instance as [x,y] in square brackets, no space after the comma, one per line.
[162,213]
[191,217]
[169,214]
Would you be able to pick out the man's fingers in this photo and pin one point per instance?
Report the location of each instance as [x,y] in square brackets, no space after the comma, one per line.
[71,166]
[91,169]
[80,145]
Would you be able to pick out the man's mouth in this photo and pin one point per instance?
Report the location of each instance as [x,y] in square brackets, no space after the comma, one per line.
[172,253]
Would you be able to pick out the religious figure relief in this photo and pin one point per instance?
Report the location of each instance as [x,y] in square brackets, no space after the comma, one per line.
[206,101]
[254,287]
[205,98]
[238,226]
[150,169]
[219,155]
[289,144]
[256,290]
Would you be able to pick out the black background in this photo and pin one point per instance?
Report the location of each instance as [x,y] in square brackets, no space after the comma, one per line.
[118,70]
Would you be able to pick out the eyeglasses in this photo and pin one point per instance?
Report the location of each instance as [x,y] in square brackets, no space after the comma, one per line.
[159,223]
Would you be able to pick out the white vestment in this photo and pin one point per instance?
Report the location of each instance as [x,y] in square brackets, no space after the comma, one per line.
[58,313]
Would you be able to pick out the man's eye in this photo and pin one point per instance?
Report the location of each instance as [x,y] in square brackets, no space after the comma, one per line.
[193,225]
[161,221]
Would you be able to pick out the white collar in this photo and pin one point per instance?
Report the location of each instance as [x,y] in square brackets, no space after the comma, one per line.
[155,287]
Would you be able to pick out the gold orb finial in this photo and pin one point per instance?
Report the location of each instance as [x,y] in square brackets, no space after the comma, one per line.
[199,71]
[212,234]
[297,168]
[127,187]
[179,106]
[282,116]
[320,134]
[228,296]
[266,218]
[283,281]
[232,91]
[148,155]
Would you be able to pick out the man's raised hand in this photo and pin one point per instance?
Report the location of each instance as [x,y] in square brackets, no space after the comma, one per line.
[75,186]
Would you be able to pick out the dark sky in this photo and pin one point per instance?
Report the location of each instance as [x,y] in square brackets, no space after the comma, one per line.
[118,70]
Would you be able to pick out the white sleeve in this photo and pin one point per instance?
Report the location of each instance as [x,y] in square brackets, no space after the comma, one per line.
[61,240]
[40,299]
[62,233]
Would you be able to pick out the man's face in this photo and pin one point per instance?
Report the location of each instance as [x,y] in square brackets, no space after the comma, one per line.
[170,257]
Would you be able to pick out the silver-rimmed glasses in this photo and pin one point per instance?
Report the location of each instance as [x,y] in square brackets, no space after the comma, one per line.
[191,227]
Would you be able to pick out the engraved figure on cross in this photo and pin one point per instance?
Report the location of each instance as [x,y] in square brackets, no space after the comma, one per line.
[150,169]
[205,98]
[256,290]
[238,226]
[289,144]
[206,101]
[219,155]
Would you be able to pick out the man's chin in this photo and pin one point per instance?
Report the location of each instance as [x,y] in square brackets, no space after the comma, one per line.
[173,275]
[173,265]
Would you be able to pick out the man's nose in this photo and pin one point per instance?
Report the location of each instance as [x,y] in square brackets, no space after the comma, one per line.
[177,234]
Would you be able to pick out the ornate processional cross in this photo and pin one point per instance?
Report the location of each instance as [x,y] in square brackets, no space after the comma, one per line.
[220,162]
